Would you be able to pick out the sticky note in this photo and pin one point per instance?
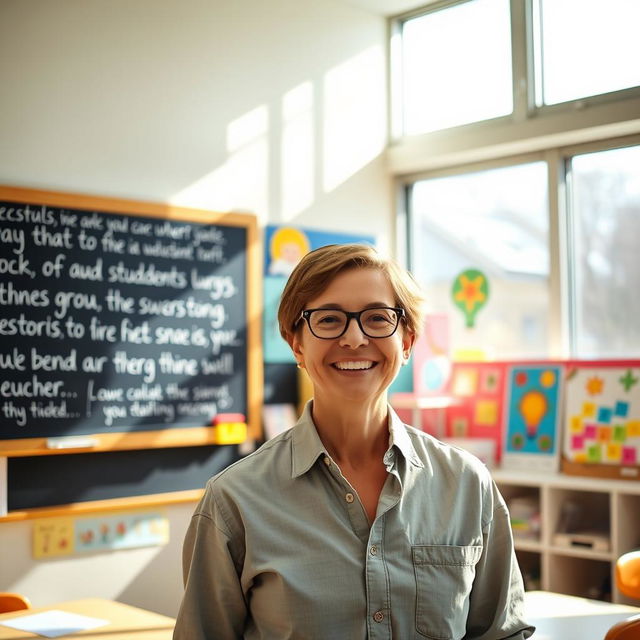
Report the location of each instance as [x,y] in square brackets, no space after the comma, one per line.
[633,428]
[619,433]
[593,453]
[486,413]
[629,455]
[580,457]
[591,431]
[614,452]
[604,434]
[576,424]
[577,442]
[588,409]
[604,414]
[622,409]
[231,432]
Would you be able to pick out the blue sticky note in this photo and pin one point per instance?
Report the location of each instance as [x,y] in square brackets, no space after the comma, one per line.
[622,409]
[604,415]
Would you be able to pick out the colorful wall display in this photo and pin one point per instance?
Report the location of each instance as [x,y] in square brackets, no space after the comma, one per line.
[431,361]
[478,388]
[533,417]
[285,247]
[602,419]
[470,292]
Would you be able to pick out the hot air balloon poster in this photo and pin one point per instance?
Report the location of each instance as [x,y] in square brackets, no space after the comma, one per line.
[532,430]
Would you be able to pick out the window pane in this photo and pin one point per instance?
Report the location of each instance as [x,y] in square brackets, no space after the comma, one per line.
[495,221]
[588,47]
[457,66]
[606,231]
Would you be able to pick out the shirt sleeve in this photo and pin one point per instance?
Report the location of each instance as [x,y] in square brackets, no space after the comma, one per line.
[213,605]
[496,608]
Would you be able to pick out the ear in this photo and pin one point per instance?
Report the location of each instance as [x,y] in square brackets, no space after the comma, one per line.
[295,342]
[408,340]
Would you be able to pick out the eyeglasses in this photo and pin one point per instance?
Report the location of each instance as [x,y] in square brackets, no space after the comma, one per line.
[375,322]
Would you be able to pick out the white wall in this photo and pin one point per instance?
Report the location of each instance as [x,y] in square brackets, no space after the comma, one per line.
[273,107]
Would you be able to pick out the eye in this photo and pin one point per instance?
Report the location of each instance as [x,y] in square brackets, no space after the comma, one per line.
[326,318]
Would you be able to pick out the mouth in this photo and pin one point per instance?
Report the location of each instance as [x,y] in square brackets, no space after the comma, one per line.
[354,365]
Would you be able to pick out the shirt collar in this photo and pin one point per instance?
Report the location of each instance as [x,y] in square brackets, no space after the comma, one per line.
[307,446]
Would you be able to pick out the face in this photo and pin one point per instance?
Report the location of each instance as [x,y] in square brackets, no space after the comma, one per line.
[372,363]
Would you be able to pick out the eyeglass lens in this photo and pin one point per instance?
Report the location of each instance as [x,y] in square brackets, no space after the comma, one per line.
[379,322]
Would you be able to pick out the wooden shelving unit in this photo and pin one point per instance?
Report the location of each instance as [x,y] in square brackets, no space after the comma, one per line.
[575,569]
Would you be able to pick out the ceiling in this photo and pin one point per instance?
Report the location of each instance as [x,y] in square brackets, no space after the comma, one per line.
[388,7]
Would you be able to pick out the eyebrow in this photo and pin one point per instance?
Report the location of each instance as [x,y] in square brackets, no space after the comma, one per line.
[371,305]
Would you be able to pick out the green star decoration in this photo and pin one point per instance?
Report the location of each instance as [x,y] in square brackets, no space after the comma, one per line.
[628,380]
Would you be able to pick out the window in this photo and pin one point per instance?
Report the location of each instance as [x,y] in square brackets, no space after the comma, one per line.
[495,221]
[457,66]
[605,211]
[585,48]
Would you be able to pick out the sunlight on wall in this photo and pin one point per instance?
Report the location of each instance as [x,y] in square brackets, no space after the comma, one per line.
[242,181]
[297,151]
[354,116]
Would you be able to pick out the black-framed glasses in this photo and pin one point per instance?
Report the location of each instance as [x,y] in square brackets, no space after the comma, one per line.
[374,322]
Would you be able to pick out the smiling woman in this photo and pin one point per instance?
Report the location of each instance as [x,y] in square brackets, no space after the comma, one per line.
[351,524]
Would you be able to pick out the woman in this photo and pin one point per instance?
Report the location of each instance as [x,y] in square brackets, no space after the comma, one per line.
[351,525]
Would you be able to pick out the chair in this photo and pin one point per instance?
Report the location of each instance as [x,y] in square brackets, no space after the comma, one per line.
[628,574]
[628,629]
[13,602]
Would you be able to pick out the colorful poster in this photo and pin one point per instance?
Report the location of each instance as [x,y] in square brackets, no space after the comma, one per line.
[285,246]
[478,390]
[602,415]
[532,429]
[431,361]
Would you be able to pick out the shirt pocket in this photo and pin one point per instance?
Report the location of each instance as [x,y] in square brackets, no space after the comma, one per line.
[444,577]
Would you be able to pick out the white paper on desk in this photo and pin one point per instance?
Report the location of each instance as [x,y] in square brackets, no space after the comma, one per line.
[54,623]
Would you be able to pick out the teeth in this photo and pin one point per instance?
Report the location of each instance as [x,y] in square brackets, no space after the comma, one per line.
[359,364]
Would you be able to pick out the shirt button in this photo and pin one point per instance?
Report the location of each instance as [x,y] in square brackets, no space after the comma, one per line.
[327,461]
[349,498]
[373,550]
[378,616]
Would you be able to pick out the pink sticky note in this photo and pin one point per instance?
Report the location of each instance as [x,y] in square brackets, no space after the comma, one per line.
[577,443]
[590,431]
[629,455]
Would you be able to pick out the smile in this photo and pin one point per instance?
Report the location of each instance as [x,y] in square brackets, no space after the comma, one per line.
[354,365]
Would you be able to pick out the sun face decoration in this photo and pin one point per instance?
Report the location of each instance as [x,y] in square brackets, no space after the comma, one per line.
[594,386]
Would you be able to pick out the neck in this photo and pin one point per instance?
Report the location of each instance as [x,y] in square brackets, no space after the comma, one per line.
[353,433]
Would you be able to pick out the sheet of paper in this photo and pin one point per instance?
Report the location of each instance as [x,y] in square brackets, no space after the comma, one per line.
[54,623]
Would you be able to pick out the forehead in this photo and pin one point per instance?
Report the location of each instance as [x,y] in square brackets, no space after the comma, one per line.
[356,288]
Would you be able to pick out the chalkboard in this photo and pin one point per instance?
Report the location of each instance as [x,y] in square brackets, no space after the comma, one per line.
[119,317]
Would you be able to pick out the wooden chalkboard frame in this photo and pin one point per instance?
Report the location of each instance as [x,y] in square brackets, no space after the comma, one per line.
[170,437]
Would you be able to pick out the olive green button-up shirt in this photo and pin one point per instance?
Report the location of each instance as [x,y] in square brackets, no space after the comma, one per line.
[281,547]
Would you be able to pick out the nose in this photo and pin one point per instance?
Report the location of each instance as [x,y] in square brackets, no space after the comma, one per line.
[353,336]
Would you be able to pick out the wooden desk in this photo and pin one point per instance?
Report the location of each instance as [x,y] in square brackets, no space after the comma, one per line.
[125,622]
[560,617]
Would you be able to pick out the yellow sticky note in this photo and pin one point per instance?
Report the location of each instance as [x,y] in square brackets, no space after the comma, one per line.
[53,537]
[576,424]
[614,452]
[231,432]
[486,413]
[465,382]
[633,428]
[588,409]
[580,457]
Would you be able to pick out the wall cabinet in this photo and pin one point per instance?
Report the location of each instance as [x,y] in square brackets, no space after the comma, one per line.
[584,525]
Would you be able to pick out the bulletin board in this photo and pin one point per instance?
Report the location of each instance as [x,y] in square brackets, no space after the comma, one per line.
[124,324]
[602,419]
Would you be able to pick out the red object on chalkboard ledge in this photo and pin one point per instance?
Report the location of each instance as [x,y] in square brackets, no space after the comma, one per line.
[222,418]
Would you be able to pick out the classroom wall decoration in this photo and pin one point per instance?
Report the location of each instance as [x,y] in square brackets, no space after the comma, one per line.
[470,292]
[533,416]
[602,418]
[478,388]
[431,360]
[285,246]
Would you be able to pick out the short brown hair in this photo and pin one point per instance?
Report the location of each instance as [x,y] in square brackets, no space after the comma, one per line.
[318,268]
